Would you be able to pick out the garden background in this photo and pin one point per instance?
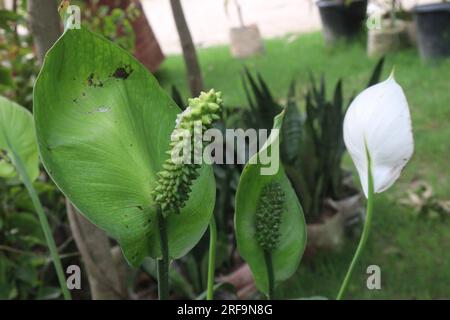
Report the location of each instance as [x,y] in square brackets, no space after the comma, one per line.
[410,238]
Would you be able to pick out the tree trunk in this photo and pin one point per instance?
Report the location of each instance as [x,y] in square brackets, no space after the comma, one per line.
[105,281]
[190,55]
[44,23]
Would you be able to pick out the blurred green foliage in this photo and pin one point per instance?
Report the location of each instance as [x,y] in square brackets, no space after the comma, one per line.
[113,23]
[18,64]
[26,271]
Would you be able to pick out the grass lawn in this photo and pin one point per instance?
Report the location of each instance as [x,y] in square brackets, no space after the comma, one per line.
[412,252]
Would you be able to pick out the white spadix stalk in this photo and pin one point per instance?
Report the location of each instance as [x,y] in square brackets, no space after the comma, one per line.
[378,136]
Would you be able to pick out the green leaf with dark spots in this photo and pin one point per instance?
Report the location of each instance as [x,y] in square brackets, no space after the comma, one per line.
[103,126]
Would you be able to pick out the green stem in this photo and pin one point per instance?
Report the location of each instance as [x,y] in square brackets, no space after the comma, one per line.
[365,232]
[163,264]
[45,226]
[211,258]
[270,276]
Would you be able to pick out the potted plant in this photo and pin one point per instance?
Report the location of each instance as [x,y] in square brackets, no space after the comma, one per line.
[341,19]
[433,30]
[390,33]
[245,41]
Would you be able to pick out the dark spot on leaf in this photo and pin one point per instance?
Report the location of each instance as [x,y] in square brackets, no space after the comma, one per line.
[122,72]
[84,94]
[75,100]
[140,207]
[93,81]
[90,79]
[4,156]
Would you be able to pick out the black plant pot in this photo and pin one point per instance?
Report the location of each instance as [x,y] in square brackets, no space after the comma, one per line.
[341,20]
[433,30]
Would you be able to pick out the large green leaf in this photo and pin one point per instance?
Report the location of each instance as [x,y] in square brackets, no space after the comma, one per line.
[291,245]
[103,126]
[17,136]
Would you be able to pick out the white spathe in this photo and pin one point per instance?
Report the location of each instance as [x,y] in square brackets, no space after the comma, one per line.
[379,118]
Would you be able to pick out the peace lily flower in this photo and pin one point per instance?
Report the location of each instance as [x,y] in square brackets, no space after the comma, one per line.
[378,125]
[378,136]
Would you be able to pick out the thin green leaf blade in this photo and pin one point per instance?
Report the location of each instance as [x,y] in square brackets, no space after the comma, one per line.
[376,72]
[17,135]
